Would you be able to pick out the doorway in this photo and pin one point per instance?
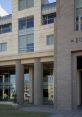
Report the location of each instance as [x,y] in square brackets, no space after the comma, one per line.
[48,84]
[1,87]
[79,81]
[4,87]
[81,88]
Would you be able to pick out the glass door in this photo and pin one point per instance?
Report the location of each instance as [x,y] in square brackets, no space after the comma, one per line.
[1,87]
[6,87]
[48,84]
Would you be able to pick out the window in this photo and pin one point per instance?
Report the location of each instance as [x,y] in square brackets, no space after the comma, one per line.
[78,11]
[48,19]
[27,22]
[50,39]
[5,28]
[3,47]
[22,23]
[79,23]
[30,22]
[24,4]
[26,43]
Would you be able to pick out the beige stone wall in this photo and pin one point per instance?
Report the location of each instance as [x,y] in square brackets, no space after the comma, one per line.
[11,44]
[65,30]
[40,31]
[68,41]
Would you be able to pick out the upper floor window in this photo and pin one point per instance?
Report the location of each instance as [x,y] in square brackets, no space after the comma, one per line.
[79,23]
[50,39]
[78,14]
[5,28]
[24,4]
[26,43]
[27,22]
[48,19]
[3,47]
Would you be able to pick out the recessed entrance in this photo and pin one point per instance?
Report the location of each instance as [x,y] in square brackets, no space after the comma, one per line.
[48,84]
[7,83]
[79,81]
[81,88]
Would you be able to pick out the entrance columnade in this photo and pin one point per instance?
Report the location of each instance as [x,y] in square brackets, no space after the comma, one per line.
[38,75]
[7,83]
[19,82]
[31,83]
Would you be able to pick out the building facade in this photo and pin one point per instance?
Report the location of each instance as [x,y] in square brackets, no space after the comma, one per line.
[27,52]
[41,53]
[68,54]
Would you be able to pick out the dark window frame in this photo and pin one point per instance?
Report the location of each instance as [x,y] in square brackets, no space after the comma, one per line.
[28,23]
[48,19]
[6,28]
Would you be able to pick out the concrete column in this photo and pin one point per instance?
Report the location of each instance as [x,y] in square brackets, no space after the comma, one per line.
[19,82]
[38,76]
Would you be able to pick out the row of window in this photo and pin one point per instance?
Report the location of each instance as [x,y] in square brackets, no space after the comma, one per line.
[27,22]
[26,42]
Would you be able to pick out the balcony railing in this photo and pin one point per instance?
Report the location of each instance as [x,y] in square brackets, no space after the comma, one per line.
[48,21]
[6,17]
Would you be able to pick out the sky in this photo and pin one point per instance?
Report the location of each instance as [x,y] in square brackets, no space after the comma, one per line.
[7,5]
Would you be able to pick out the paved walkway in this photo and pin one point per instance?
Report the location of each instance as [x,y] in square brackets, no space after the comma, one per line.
[76,113]
[32,108]
[72,113]
[38,109]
